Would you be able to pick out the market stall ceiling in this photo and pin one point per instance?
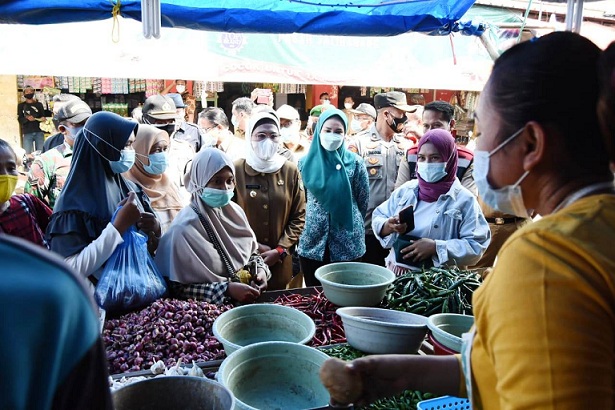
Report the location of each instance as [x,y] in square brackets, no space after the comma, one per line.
[86,49]
[331,17]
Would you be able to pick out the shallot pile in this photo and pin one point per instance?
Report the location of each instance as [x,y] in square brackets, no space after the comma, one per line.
[167,330]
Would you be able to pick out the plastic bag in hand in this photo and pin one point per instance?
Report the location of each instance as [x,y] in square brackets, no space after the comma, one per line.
[130,278]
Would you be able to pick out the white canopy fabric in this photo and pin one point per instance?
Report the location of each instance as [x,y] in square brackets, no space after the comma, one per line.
[87,49]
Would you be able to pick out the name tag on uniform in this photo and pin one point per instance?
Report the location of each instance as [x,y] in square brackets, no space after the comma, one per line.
[253,187]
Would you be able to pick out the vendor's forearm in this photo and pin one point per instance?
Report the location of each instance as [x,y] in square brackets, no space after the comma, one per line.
[433,374]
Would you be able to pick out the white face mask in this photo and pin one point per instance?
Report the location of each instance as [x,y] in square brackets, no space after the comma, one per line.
[180,88]
[348,106]
[331,141]
[431,171]
[326,102]
[288,134]
[355,125]
[508,199]
[265,149]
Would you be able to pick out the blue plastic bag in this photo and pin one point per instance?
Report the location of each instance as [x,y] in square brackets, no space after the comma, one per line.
[130,278]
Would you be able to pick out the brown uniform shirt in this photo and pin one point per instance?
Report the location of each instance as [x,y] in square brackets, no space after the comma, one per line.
[275,206]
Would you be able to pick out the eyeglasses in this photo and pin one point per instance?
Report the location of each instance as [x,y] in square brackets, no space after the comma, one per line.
[262,136]
[287,123]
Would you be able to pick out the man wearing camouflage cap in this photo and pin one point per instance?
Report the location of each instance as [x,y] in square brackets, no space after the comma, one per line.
[49,170]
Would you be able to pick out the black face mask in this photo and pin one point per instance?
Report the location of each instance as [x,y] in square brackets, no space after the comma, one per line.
[29,96]
[169,128]
[398,123]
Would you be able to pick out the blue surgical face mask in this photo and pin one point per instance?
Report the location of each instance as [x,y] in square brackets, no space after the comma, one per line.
[216,198]
[126,161]
[355,125]
[73,131]
[158,163]
[331,141]
[508,199]
[431,171]
[234,121]
[127,156]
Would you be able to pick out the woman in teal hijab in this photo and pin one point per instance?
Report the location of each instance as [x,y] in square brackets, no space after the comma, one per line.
[337,190]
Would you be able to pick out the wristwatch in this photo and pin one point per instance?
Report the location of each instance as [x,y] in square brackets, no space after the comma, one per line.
[283,252]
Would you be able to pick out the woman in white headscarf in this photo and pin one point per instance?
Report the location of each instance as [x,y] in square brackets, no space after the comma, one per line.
[210,240]
[270,191]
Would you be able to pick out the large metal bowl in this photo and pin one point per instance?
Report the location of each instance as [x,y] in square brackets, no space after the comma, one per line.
[383,331]
[174,393]
[354,283]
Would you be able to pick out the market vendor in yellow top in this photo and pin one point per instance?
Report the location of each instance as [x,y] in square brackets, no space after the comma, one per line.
[544,335]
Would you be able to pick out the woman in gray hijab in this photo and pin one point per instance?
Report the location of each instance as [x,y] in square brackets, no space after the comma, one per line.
[210,241]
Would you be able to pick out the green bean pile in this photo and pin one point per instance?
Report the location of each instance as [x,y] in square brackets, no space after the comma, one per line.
[405,401]
[432,291]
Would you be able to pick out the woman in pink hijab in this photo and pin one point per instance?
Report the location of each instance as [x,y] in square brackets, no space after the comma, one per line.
[433,220]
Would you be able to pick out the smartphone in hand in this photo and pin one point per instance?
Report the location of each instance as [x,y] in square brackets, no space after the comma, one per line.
[406,216]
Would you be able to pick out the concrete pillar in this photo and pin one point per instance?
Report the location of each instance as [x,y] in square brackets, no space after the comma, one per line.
[9,127]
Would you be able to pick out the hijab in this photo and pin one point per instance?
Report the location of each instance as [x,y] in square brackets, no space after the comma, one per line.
[50,328]
[445,144]
[162,193]
[92,190]
[324,173]
[186,253]
[277,161]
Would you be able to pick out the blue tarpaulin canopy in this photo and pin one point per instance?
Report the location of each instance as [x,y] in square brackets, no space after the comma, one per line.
[330,17]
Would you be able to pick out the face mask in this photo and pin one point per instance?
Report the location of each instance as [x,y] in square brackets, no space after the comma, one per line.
[348,105]
[126,161]
[169,128]
[326,102]
[28,96]
[158,163]
[180,88]
[216,198]
[265,149]
[331,141]
[7,186]
[431,171]
[398,123]
[234,121]
[287,134]
[355,125]
[508,199]
[72,132]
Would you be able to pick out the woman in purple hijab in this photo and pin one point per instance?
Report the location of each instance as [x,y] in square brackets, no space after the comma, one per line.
[433,220]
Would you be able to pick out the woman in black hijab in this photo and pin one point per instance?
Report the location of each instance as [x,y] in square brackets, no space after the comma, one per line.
[80,228]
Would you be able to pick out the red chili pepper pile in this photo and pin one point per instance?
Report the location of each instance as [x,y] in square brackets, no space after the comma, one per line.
[329,327]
